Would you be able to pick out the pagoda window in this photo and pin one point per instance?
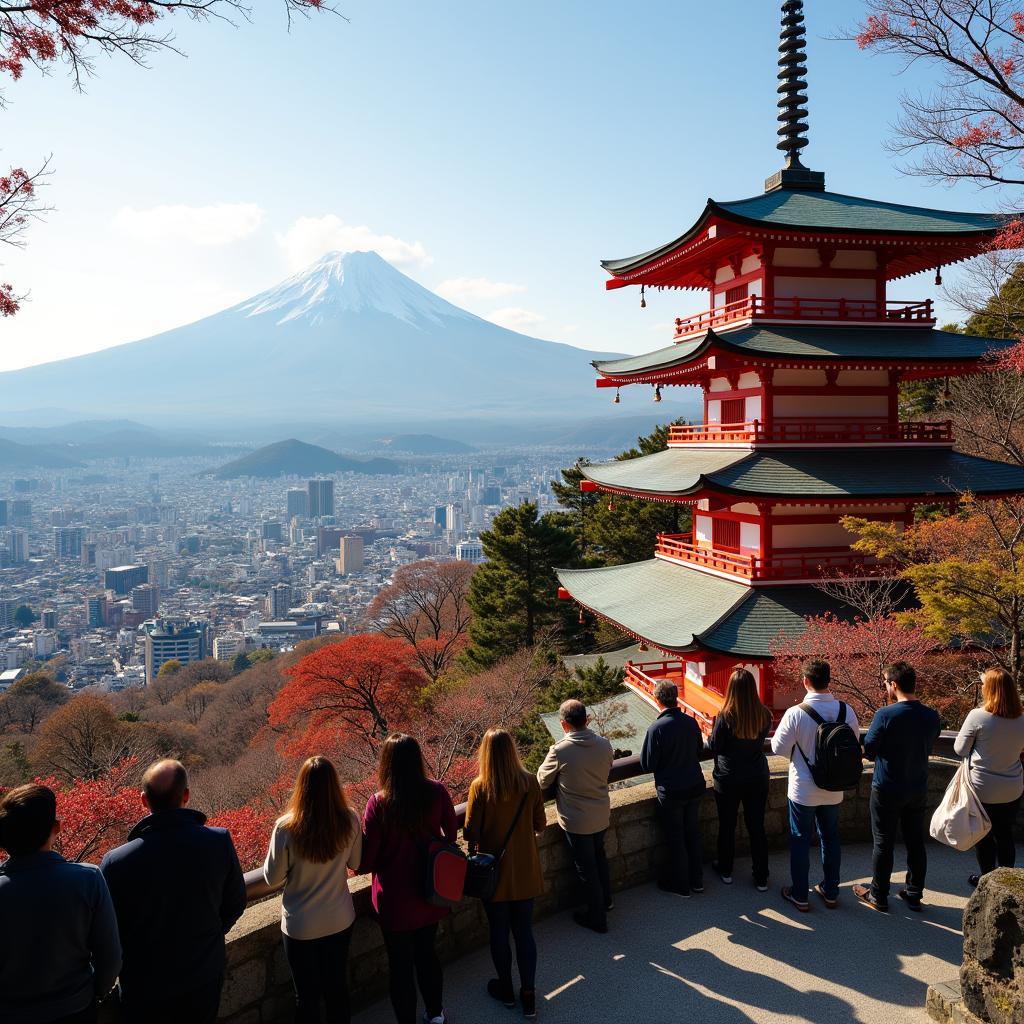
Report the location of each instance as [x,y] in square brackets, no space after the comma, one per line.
[725,534]
[737,294]
[791,286]
[734,410]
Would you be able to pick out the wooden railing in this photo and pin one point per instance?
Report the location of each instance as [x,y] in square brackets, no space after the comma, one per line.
[859,310]
[819,431]
[802,565]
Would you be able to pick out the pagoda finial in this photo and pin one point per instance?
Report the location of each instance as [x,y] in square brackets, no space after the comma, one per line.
[792,103]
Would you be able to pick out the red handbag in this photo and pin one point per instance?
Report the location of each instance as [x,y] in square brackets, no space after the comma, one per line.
[446,873]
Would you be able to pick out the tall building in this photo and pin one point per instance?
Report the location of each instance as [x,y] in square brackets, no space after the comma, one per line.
[279,600]
[327,539]
[4,511]
[146,599]
[21,512]
[298,503]
[183,640]
[17,546]
[321,498]
[8,606]
[49,618]
[270,531]
[67,542]
[800,352]
[123,579]
[453,519]
[96,610]
[469,551]
[350,555]
[440,515]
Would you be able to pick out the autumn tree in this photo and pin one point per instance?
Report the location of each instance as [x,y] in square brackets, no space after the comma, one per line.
[347,697]
[28,702]
[967,570]
[427,605]
[969,126]
[514,594]
[72,33]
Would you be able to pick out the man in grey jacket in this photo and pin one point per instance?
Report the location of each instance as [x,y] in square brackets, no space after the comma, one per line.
[577,766]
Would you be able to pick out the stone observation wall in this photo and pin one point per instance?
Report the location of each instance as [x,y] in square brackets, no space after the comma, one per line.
[990,989]
[258,985]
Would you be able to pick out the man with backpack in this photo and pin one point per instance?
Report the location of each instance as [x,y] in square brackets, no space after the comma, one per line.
[821,738]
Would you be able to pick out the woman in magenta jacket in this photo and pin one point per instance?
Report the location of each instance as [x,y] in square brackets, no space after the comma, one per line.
[399,821]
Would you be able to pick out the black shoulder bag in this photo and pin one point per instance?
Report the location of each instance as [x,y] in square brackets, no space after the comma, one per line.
[483,868]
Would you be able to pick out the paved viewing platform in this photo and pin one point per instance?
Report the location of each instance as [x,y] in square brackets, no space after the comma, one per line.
[734,955]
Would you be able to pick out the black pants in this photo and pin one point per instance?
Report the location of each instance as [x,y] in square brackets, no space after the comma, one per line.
[515,916]
[680,817]
[87,1016]
[198,1006]
[890,812]
[997,848]
[412,961]
[753,796]
[320,974]
[592,868]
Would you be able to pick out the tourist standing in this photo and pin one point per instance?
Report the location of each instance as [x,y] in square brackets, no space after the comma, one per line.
[810,805]
[992,738]
[400,820]
[59,949]
[177,889]
[741,774]
[672,750]
[899,741]
[505,811]
[312,848]
[577,766]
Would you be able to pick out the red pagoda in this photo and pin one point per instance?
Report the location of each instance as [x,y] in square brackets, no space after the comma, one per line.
[800,354]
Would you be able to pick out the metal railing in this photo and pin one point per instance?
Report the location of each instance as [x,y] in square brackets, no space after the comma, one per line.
[813,432]
[754,307]
[623,769]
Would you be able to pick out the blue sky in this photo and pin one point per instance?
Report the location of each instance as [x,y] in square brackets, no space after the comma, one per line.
[493,152]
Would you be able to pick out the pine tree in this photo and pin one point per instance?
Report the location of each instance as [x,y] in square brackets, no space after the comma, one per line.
[514,594]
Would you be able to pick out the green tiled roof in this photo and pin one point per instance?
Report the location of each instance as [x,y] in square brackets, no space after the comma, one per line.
[655,600]
[831,211]
[825,211]
[836,472]
[678,608]
[898,344]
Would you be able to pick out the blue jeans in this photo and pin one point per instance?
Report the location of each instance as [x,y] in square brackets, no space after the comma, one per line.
[802,821]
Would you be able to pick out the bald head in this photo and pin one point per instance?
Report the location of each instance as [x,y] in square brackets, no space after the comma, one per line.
[165,786]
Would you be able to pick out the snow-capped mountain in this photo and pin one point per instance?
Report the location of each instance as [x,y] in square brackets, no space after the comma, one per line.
[348,339]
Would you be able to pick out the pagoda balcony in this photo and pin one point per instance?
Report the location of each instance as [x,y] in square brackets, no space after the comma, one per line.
[800,310]
[790,567]
[812,432]
[700,702]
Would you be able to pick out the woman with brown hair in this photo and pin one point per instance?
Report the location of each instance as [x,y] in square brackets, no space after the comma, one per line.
[992,738]
[741,774]
[399,822]
[506,812]
[312,848]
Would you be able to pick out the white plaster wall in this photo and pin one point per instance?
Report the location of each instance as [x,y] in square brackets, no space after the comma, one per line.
[799,378]
[846,510]
[750,264]
[753,409]
[829,406]
[750,538]
[824,287]
[750,379]
[810,535]
[714,411]
[702,529]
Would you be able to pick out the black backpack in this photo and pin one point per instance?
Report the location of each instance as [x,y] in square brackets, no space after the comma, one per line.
[838,762]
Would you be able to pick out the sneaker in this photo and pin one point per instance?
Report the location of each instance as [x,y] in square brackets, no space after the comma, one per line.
[528,997]
[787,895]
[610,906]
[830,901]
[583,920]
[696,888]
[864,894]
[442,1019]
[726,879]
[913,902]
[761,886]
[665,887]
[502,991]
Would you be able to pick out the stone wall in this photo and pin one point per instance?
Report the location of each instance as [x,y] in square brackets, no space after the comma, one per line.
[258,986]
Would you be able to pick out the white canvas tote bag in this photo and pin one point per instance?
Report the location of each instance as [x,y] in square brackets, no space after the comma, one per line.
[960,820]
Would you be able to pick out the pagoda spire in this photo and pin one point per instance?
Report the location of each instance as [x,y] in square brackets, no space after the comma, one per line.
[793,103]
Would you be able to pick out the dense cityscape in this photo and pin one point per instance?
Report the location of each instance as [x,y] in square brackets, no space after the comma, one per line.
[119,567]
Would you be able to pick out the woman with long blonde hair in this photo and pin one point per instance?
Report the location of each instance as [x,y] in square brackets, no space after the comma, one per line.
[992,738]
[741,774]
[504,814]
[312,848]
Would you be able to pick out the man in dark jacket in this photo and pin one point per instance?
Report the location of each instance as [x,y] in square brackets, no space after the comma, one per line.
[59,951]
[672,749]
[177,889]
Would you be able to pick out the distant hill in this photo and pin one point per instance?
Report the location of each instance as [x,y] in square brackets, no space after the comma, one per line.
[296,458]
[425,444]
[26,456]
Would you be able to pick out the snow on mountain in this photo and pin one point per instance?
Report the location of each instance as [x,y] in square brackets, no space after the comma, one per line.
[350,282]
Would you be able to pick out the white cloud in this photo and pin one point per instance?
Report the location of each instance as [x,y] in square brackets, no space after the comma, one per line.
[464,290]
[217,224]
[310,237]
[515,319]
[570,328]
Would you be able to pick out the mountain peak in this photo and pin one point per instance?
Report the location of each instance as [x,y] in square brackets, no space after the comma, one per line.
[350,282]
